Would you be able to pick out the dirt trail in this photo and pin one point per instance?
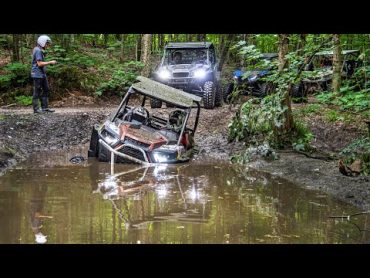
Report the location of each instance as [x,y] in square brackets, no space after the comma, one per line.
[23,133]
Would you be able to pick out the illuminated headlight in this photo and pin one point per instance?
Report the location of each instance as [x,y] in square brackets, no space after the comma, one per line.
[111,140]
[200,73]
[253,77]
[160,157]
[164,74]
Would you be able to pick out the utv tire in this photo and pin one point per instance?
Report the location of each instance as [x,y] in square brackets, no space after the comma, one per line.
[260,90]
[228,91]
[297,93]
[155,103]
[209,95]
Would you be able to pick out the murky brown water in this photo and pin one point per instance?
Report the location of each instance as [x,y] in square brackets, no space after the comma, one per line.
[189,203]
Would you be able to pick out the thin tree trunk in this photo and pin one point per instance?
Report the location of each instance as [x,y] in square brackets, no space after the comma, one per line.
[229,38]
[301,43]
[145,58]
[122,56]
[160,41]
[337,64]
[15,48]
[286,101]
[138,47]
[222,43]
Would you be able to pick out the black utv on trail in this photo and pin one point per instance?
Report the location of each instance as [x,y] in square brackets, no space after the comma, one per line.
[193,68]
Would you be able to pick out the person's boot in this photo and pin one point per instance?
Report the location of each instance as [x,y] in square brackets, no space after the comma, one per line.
[48,110]
[38,111]
[44,105]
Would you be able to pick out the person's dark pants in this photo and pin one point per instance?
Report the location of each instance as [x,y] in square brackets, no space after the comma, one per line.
[40,92]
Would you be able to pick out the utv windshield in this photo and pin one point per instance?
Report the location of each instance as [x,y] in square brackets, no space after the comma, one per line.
[178,56]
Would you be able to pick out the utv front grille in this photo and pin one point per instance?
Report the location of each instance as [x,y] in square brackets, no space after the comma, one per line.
[135,153]
[135,142]
[180,74]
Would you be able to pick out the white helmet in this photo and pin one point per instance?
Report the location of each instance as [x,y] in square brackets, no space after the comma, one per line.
[42,40]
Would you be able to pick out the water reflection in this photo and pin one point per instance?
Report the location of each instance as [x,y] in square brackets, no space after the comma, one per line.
[37,216]
[190,203]
[136,184]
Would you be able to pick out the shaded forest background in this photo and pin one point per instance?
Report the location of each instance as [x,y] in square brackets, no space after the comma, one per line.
[103,66]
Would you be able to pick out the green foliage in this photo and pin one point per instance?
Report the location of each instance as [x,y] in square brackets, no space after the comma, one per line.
[348,99]
[302,137]
[358,149]
[121,79]
[16,74]
[24,100]
[310,109]
[258,119]
[333,116]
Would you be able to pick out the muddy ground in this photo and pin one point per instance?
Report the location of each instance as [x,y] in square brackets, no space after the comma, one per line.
[23,133]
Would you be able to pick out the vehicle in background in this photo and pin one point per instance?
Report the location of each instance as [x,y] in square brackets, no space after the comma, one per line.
[193,68]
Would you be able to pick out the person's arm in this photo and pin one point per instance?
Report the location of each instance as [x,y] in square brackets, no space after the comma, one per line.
[42,64]
[39,58]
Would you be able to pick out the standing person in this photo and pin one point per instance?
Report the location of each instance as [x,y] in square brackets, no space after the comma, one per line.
[38,73]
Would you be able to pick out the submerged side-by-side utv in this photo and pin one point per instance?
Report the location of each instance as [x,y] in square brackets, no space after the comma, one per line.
[132,134]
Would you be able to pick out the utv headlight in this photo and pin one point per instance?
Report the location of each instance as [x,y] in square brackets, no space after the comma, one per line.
[111,140]
[161,157]
[253,77]
[200,73]
[164,74]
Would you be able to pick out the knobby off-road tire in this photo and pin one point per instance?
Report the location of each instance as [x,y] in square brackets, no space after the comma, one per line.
[209,95]
[260,90]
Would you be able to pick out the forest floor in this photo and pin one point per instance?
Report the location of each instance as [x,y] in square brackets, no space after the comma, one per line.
[24,133]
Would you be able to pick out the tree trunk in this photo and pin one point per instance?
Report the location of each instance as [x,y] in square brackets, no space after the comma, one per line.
[225,49]
[122,56]
[160,41]
[145,58]
[302,42]
[138,47]
[283,50]
[221,43]
[15,48]
[286,101]
[337,64]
